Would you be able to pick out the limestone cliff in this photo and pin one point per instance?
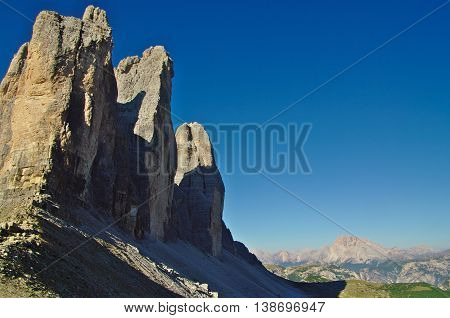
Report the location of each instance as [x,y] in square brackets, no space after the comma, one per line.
[199,191]
[198,199]
[146,151]
[56,95]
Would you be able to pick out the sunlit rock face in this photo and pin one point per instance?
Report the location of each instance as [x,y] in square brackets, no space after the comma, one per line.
[57,95]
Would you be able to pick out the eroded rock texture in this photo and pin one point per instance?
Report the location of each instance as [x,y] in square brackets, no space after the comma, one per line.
[199,191]
[146,150]
[57,94]
[199,197]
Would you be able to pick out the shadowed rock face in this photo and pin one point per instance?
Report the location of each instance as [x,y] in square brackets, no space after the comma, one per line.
[199,191]
[57,94]
[146,170]
[227,239]
[199,196]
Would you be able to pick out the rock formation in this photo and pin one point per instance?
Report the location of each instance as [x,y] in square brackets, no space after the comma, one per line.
[198,199]
[147,166]
[75,132]
[199,191]
[84,147]
[64,138]
[55,97]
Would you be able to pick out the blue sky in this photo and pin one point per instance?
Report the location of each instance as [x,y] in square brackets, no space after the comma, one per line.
[379,148]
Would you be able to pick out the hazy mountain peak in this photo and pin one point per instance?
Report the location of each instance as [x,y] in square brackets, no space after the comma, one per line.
[346,240]
[347,249]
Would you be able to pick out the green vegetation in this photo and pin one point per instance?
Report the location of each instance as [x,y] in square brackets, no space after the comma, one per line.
[19,287]
[416,290]
[274,267]
[357,288]
[312,280]
[363,289]
[308,278]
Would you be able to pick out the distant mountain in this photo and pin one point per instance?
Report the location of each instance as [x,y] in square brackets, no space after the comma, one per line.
[348,249]
[354,258]
[433,272]
[313,273]
[342,282]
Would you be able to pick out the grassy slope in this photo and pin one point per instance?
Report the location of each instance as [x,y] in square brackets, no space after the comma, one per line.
[321,287]
[19,288]
[358,288]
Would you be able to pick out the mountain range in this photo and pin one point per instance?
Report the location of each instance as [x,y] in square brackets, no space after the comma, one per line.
[348,249]
[350,257]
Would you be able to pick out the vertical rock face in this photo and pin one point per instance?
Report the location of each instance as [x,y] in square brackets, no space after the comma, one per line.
[58,92]
[199,192]
[146,170]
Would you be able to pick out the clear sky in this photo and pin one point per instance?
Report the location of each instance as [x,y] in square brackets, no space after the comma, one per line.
[380,144]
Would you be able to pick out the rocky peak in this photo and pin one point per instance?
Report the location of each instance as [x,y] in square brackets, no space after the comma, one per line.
[199,191]
[151,77]
[347,241]
[194,149]
[58,91]
[97,16]
[145,173]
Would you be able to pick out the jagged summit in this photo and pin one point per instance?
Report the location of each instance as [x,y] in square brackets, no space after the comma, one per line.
[199,190]
[54,102]
[124,66]
[145,128]
[95,15]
